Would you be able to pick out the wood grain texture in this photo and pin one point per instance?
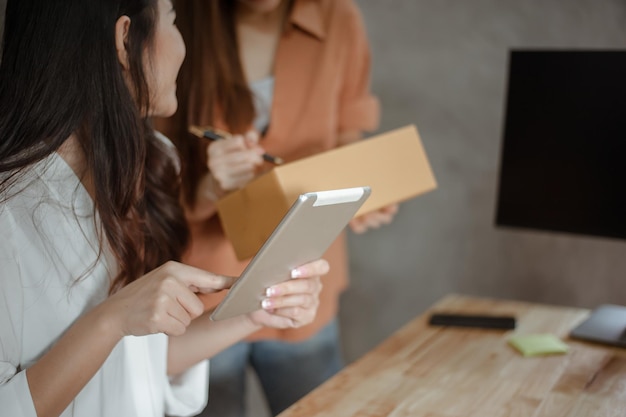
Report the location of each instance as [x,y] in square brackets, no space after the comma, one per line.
[423,371]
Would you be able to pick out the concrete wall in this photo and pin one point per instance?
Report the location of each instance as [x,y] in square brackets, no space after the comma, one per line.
[442,64]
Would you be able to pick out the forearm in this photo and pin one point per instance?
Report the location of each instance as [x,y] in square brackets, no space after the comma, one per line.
[58,376]
[290,304]
[204,339]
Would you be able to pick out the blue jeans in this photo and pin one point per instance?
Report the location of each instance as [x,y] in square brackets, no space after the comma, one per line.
[286,371]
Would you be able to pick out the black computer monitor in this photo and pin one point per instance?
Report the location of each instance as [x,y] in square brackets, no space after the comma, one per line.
[563,156]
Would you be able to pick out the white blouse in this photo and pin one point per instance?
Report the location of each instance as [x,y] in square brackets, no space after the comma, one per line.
[50,274]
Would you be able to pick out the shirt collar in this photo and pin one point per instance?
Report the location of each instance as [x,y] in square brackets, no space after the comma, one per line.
[307,16]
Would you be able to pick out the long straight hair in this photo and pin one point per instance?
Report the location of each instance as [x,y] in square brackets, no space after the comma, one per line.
[212,86]
[60,75]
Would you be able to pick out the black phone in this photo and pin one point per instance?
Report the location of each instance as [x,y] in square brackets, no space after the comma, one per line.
[472,320]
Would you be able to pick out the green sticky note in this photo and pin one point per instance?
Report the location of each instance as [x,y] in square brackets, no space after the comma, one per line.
[538,344]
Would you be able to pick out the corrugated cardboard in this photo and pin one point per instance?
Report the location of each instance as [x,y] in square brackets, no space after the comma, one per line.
[393,164]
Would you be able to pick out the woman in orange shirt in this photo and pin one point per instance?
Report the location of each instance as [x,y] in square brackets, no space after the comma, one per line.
[287,77]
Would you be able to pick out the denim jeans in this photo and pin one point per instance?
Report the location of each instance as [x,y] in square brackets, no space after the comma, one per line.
[286,371]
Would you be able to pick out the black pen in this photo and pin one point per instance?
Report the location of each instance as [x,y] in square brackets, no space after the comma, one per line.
[215,134]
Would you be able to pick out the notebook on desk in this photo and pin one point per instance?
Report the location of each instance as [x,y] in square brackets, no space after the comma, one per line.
[606,324]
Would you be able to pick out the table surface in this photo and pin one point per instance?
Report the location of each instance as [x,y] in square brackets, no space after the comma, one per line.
[426,371]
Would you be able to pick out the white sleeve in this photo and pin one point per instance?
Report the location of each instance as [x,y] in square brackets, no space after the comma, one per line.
[14,391]
[187,393]
[170,147]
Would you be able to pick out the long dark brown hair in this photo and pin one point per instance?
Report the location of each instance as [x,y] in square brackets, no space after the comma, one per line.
[59,76]
[211,84]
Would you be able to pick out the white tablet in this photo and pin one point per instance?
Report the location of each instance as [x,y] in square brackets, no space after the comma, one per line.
[302,236]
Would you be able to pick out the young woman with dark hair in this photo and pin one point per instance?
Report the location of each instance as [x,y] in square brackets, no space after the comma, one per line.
[290,77]
[96,316]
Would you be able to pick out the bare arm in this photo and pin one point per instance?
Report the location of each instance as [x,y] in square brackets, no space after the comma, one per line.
[205,338]
[291,304]
[162,301]
[71,363]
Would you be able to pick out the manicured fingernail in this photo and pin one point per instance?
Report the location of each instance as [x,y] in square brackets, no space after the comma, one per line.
[270,292]
[296,273]
[266,304]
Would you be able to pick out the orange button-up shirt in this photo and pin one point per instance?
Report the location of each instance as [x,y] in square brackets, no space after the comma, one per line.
[322,75]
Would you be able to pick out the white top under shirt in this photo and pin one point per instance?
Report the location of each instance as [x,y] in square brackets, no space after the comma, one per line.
[50,274]
[263,94]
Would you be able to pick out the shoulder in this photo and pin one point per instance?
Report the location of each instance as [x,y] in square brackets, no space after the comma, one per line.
[21,192]
[168,148]
[327,13]
[343,12]
[16,226]
[343,18]
[164,140]
[45,204]
[338,8]
[25,206]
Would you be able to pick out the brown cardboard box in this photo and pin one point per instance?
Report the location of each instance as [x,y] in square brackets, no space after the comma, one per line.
[393,164]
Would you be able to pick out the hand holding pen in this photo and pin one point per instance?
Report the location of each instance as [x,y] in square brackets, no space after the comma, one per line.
[213,134]
[233,160]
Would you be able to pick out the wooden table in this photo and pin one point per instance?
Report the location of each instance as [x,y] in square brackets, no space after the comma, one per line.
[423,371]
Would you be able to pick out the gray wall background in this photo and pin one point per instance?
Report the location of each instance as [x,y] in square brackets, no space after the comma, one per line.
[442,64]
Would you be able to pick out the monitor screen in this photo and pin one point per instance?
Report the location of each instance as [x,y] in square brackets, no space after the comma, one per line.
[563,155]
